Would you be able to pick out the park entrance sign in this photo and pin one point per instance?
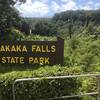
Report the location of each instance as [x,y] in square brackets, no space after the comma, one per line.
[32,52]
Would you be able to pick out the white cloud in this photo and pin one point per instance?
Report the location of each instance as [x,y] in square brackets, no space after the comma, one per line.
[87,8]
[66,0]
[44,1]
[36,8]
[90,3]
[68,5]
[43,8]
[97,6]
[55,7]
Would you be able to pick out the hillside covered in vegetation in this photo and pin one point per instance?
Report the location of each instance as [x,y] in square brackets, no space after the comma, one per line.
[80,30]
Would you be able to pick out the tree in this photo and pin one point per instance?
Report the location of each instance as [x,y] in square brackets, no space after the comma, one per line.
[70,29]
[44,28]
[9,16]
[79,16]
[25,27]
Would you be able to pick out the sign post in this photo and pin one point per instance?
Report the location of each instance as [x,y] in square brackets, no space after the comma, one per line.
[32,52]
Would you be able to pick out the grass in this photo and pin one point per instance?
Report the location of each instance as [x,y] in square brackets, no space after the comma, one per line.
[81,55]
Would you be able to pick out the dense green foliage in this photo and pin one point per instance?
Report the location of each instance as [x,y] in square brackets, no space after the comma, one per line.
[44,28]
[42,88]
[81,31]
[67,24]
[78,22]
[9,17]
[79,16]
[80,57]
[83,51]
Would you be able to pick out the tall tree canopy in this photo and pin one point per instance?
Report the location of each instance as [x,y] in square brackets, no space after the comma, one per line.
[79,16]
[44,28]
[9,16]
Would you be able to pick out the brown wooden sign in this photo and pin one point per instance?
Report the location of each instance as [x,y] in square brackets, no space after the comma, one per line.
[32,52]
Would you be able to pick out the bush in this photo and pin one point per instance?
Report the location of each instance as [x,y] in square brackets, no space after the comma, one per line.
[82,51]
[44,28]
[16,34]
[41,89]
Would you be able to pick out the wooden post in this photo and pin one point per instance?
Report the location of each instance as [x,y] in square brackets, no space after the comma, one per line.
[60,51]
[0,96]
[98,88]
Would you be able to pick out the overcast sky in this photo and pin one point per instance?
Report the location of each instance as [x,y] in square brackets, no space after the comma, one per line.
[47,8]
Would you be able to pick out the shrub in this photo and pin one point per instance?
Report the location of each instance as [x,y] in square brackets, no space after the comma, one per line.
[41,89]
